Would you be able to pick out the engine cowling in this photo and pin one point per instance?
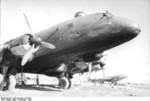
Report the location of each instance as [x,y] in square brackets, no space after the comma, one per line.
[22,40]
[20,45]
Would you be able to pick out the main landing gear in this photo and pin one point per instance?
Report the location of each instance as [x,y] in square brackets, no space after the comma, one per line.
[65,82]
[7,80]
[10,85]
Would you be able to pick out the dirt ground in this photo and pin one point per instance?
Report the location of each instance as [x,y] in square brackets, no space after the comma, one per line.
[80,90]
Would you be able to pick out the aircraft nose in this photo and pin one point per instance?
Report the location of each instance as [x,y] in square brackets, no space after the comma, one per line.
[130,27]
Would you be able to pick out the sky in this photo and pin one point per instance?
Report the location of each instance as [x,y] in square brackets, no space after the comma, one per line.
[131,58]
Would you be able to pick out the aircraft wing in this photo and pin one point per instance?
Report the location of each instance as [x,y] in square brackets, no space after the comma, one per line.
[24,47]
[114,78]
[107,79]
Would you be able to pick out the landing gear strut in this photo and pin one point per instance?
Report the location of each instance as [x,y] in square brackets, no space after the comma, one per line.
[70,84]
[10,85]
[3,77]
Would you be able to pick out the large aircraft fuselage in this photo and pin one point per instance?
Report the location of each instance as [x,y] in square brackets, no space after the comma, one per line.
[82,35]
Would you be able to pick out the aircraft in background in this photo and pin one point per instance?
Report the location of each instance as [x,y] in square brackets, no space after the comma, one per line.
[113,79]
[52,50]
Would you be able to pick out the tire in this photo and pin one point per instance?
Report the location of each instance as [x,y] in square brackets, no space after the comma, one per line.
[12,83]
[64,83]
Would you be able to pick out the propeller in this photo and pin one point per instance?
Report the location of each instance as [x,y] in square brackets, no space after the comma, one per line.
[35,41]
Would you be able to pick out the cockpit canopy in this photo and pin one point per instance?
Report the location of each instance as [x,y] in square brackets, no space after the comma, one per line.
[79,13]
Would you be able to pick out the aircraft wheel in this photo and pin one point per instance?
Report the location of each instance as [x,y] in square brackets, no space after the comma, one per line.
[1,82]
[64,83]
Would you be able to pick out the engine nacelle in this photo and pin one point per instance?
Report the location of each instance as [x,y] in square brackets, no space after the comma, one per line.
[20,45]
[77,67]
[24,39]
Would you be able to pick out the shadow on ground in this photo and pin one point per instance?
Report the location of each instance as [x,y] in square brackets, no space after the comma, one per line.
[39,87]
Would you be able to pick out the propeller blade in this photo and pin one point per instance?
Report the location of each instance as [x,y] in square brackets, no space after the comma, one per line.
[48,45]
[38,41]
[27,23]
[27,55]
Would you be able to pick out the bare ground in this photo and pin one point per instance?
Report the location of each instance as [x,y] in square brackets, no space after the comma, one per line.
[80,90]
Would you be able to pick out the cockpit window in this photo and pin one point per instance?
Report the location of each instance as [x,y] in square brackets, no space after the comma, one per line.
[78,14]
[108,14]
